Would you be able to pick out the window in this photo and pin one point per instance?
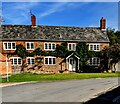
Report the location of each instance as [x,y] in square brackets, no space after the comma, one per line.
[49,46]
[9,45]
[16,61]
[72,46]
[94,61]
[30,45]
[49,60]
[94,47]
[30,60]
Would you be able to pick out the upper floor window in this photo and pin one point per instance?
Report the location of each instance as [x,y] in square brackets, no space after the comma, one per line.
[9,45]
[16,61]
[94,61]
[30,60]
[49,60]
[49,46]
[94,47]
[72,46]
[30,45]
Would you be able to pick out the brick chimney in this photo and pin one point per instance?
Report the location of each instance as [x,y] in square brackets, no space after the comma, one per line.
[33,20]
[103,24]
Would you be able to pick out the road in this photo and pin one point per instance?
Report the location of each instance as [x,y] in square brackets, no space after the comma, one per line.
[61,91]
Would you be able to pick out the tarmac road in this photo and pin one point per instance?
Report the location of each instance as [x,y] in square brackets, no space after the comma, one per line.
[60,91]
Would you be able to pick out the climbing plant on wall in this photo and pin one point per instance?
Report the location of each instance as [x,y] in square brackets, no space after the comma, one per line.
[60,51]
[83,52]
[21,51]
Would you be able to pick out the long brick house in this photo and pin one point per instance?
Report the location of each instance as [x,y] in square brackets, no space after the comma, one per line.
[46,38]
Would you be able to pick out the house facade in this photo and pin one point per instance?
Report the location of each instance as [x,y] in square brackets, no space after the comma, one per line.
[47,38]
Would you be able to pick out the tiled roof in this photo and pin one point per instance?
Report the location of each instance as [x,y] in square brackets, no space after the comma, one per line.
[53,33]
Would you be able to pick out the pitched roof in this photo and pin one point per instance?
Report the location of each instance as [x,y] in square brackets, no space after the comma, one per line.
[53,33]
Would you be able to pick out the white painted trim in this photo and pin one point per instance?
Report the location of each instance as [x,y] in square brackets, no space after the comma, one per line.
[7,45]
[17,61]
[71,55]
[30,60]
[72,64]
[30,45]
[93,46]
[48,57]
[48,46]
[92,61]
[71,46]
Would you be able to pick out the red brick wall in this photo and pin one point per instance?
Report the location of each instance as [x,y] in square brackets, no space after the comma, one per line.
[39,44]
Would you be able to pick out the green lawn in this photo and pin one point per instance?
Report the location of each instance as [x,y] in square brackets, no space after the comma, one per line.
[24,77]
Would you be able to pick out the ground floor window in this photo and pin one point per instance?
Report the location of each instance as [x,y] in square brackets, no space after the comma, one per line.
[94,61]
[30,60]
[49,60]
[16,61]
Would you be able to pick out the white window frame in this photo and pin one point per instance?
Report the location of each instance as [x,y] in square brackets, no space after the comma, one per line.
[48,46]
[7,45]
[93,48]
[50,57]
[30,45]
[72,46]
[96,63]
[30,60]
[17,61]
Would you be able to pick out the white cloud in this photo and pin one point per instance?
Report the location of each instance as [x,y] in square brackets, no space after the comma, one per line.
[58,7]
[55,8]
[20,12]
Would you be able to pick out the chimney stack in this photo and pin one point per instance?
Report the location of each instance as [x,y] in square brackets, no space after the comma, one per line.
[33,20]
[103,24]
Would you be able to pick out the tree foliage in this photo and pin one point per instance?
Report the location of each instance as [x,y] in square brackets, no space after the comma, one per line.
[114,36]
[113,51]
[111,54]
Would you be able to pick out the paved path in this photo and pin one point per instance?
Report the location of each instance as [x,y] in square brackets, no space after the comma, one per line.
[62,91]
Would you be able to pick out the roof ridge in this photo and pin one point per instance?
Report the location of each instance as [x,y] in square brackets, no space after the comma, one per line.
[48,26]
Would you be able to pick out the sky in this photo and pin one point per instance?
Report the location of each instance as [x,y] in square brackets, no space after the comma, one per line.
[82,14]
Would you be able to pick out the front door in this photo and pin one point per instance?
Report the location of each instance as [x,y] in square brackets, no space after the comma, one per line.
[72,64]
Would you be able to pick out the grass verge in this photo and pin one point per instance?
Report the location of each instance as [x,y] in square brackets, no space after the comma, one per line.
[25,77]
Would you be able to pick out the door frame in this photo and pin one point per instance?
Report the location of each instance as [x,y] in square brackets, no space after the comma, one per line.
[72,67]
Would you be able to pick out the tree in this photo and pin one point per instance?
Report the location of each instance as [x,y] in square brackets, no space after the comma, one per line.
[112,53]
[117,34]
[114,49]
[114,36]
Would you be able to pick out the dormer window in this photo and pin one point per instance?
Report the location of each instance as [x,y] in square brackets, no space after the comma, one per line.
[9,45]
[72,46]
[30,45]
